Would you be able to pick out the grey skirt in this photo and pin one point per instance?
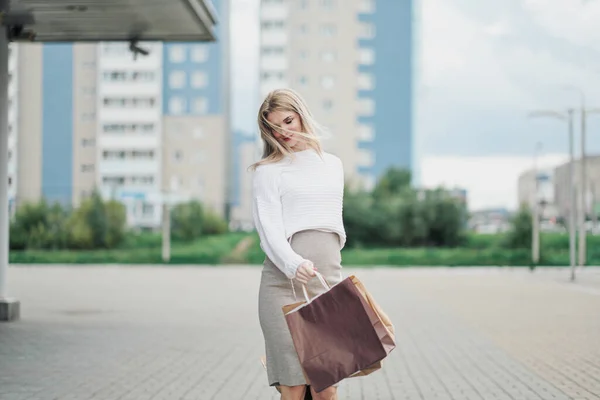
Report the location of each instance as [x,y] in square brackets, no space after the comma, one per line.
[323,249]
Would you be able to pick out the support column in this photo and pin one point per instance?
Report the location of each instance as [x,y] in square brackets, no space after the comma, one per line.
[166,231]
[9,307]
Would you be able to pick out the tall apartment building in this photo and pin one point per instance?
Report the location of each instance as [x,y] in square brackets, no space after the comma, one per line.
[56,121]
[129,129]
[141,130]
[352,61]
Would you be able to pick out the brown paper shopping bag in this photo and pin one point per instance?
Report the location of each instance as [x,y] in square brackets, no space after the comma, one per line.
[338,334]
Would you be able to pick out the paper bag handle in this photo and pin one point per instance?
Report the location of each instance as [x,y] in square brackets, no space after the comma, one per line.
[323,282]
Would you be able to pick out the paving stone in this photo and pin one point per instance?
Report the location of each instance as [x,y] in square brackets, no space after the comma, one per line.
[179,333]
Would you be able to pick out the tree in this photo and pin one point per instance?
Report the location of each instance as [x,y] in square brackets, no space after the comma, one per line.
[394,182]
[96,218]
[395,214]
[39,226]
[116,220]
[444,217]
[187,220]
[521,229]
[97,224]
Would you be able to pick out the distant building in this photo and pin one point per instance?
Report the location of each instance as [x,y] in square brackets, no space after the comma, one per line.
[490,221]
[592,190]
[539,186]
[139,130]
[353,62]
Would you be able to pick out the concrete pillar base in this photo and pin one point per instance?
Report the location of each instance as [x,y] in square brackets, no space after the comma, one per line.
[9,310]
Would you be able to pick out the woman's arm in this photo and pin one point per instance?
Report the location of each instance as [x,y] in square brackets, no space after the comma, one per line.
[268,220]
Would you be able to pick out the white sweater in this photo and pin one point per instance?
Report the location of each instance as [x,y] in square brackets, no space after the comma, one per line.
[296,194]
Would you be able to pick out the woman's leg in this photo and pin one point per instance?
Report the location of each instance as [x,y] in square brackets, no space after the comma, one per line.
[328,394]
[292,392]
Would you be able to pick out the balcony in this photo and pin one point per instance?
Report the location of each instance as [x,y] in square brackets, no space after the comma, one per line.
[276,37]
[120,88]
[128,141]
[152,114]
[273,12]
[129,167]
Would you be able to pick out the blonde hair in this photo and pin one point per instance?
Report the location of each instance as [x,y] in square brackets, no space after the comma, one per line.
[285,100]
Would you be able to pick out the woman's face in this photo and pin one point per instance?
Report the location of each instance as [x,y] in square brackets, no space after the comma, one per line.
[290,121]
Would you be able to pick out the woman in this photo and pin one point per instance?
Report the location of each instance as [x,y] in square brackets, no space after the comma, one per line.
[297,208]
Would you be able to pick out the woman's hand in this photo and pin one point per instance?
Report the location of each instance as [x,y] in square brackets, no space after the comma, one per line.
[305,272]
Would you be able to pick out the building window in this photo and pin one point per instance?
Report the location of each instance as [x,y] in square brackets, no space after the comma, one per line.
[327,82]
[366,106]
[303,29]
[366,56]
[273,25]
[87,168]
[366,133]
[142,76]
[272,51]
[366,158]
[88,91]
[128,128]
[303,54]
[129,102]
[273,75]
[147,210]
[176,105]
[328,30]
[88,117]
[199,53]
[88,142]
[177,79]
[200,157]
[366,81]
[303,4]
[128,76]
[302,80]
[175,183]
[367,30]
[200,105]
[113,180]
[178,155]
[199,79]
[366,6]
[89,64]
[328,56]
[177,54]
[328,4]
[327,105]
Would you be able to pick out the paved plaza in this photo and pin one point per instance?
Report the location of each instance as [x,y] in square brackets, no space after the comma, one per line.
[153,333]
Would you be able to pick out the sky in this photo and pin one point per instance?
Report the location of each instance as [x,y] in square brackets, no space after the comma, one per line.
[480,68]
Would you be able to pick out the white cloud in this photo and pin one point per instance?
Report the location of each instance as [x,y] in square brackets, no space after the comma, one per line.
[490,181]
[505,63]
[459,56]
[574,20]
[518,58]
[498,29]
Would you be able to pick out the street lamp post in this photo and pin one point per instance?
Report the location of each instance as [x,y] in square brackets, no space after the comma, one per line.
[584,113]
[535,240]
[568,117]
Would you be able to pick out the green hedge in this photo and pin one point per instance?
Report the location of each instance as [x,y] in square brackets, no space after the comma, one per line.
[208,250]
[479,250]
